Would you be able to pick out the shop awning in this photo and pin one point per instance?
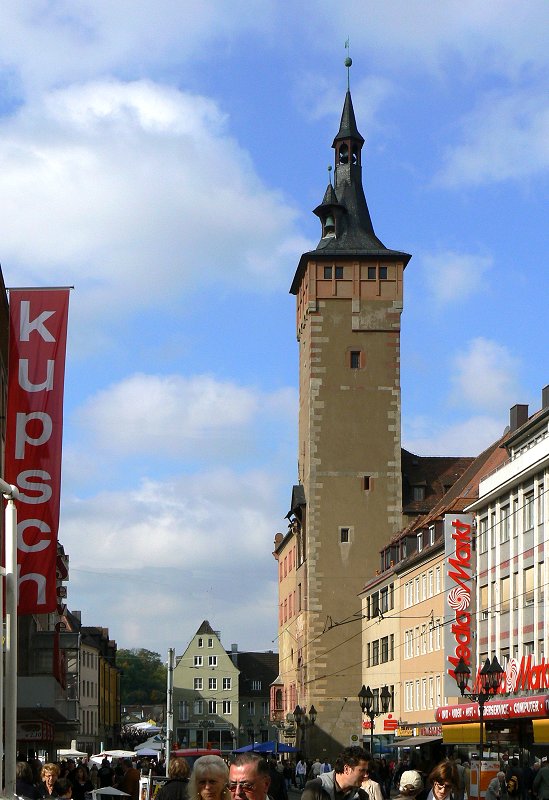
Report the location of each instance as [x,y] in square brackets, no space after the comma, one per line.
[466,733]
[415,741]
[541,731]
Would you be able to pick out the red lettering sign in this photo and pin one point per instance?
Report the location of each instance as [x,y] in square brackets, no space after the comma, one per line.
[36,374]
[509,708]
[459,595]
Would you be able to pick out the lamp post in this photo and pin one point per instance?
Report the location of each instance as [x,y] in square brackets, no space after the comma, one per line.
[369,703]
[490,677]
[303,721]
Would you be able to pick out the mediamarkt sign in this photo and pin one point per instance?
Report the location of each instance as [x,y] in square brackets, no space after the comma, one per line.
[36,374]
[458,594]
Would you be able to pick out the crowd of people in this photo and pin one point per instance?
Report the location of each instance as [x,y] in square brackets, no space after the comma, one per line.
[354,776]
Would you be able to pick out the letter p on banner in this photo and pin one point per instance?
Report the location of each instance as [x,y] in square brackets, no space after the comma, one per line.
[34,433]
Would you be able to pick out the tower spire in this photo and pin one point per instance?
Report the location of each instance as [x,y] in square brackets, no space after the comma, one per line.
[347,227]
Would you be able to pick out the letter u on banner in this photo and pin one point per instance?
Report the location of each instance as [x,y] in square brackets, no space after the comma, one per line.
[34,434]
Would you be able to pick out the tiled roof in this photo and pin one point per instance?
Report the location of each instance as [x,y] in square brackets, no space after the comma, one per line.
[258,667]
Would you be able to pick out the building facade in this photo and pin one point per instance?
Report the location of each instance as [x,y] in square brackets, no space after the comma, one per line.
[221,698]
[348,501]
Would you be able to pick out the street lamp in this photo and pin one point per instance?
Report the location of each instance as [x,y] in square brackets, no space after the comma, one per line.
[303,721]
[490,677]
[369,703]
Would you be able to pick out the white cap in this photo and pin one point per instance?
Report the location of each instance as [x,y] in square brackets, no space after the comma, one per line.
[410,779]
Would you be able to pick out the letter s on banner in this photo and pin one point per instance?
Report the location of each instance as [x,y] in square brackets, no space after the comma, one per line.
[34,433]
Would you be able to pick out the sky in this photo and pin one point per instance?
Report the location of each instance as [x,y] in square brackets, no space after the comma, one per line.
[164,159]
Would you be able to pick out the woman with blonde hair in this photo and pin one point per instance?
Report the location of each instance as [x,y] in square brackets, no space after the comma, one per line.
[49,774]
[209,779]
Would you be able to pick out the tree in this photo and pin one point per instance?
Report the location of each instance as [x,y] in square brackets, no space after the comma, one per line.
[143,678]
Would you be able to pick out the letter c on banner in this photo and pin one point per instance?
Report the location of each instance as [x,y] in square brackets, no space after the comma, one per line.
[32,523]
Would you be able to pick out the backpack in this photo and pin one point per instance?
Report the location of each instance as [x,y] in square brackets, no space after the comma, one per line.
[512,785]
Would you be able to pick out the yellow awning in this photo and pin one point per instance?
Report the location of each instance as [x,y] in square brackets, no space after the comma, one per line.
[468,733]
[541,731]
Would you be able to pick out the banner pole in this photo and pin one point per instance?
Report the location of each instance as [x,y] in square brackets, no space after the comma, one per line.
[10,683]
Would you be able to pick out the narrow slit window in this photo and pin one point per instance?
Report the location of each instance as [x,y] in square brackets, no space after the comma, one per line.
[355,359]
[344,535]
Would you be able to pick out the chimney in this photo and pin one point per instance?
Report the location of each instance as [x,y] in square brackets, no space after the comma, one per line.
[545,396]
[234,654]
[518,415]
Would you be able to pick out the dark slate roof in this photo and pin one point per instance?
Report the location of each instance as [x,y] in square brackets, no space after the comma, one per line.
[205,628]
[436,473]
[298,500]
[347,127]
[355,235]
[256,666]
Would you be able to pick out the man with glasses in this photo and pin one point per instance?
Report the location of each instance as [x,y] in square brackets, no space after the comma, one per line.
[249,777]
[342,783]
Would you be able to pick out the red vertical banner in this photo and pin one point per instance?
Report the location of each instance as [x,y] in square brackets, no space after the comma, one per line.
[34,429]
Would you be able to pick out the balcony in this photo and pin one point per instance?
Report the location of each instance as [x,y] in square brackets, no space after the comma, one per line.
[42,697]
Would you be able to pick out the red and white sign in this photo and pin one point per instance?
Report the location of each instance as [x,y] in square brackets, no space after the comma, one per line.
[458,585]
[390,724]
[36,374]
[509,708]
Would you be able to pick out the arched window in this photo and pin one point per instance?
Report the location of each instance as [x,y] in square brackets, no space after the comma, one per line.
[343,153]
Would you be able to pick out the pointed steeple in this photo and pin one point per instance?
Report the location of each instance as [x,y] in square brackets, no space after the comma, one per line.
[347,227]
[348,127]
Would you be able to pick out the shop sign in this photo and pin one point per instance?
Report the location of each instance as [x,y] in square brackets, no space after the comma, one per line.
[527,676]
[404,733]
[509,708]
[430,730]
[458,595]
[390,724]
[36,731]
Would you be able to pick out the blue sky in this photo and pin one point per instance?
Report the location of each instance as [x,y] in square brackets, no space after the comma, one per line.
[164,159]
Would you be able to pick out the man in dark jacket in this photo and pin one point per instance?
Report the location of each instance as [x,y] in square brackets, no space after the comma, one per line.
[342,783]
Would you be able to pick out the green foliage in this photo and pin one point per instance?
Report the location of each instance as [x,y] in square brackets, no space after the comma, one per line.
[143,678]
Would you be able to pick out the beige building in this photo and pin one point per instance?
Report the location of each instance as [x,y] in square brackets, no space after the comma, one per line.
[348,501]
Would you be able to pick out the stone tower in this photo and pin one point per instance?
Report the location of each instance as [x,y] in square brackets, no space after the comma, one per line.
[348,502]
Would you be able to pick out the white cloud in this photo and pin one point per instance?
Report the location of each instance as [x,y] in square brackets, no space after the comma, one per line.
[505,138]
[173,416]
[169,554]
[46,43]
[134,192]
[503,37]
[425,436]
[452,277]
[485,377]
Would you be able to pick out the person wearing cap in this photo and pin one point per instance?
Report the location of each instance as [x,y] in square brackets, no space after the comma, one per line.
[343,782]
[410,784]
